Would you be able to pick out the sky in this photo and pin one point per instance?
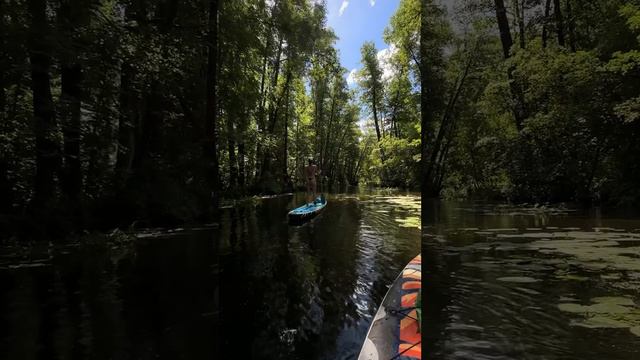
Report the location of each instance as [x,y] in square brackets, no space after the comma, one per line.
[357,21]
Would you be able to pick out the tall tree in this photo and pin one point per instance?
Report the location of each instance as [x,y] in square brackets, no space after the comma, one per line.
[557,9]
[371,82]
[507,43]
[47,150]
[545,23]
[211,133]
[73,16]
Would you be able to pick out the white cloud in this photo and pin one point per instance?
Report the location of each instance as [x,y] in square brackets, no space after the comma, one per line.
[352,77]
[343,7]
[384,58]
[372,2]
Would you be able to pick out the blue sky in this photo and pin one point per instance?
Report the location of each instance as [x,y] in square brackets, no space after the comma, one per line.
[357,22]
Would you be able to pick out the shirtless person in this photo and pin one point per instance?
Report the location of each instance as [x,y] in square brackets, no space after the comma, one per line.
[310,172]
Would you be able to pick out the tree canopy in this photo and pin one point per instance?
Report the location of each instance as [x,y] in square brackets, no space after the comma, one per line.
[542,102]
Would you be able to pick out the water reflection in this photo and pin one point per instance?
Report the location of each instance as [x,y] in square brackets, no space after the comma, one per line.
[310,292]
[93,301]
[253,288]
[530,283]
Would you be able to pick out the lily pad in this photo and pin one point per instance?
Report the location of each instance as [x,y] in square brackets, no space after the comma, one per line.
[410,222]
[518,279]
[617,300]
[599,321]
[607,312]
[573,277]
[600,308]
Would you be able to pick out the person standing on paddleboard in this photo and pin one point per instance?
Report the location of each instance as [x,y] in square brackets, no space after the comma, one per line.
[311,171]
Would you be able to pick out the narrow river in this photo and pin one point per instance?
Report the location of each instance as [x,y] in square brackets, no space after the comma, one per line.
[500,283]
[252,288]
[530,283]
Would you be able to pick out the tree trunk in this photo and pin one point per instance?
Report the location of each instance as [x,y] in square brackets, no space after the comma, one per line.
[231,145]
[521,24]
[72,15]
[3,102]
[394,110]
[426,114]
[273,111]
[285,163]
[129,116]
[263,77]
[445,125]
[126,125]
[47,151]
[376,122]
[325,144]
[261,118]
[507,43]
[5,185]
[168,10]
[241,167]
[278,101]
[571,23]
[559,22]
[70,118]
[503,25]
[374,100]
[545,25]
[319,112]
[211,133]
[3,64]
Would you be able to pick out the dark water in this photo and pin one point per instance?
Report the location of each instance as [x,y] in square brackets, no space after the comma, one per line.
[253,288]
[527,283]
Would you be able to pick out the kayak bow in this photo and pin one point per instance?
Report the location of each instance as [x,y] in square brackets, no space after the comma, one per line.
[395,330]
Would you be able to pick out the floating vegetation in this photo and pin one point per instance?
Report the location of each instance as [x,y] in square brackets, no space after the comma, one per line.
[518,279]
[606,312]
[405,202]
[593,252]
[572,277]
[525,210]
[405,210]
[410,222]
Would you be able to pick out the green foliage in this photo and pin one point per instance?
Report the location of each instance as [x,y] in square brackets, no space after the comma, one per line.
[401,167]
[389,92]
[577,141]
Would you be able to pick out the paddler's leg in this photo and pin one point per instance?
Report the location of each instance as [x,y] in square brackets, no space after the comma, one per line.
[309,189]
[313,185]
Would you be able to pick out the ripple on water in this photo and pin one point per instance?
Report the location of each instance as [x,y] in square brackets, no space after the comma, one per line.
[531,289]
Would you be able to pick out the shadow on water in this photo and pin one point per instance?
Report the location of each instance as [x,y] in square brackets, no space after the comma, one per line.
[310,291]
[254,288]
[530,283]
[93,301]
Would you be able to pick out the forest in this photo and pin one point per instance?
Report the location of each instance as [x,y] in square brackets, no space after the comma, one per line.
[157,112]
[532,101]
[115,111]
